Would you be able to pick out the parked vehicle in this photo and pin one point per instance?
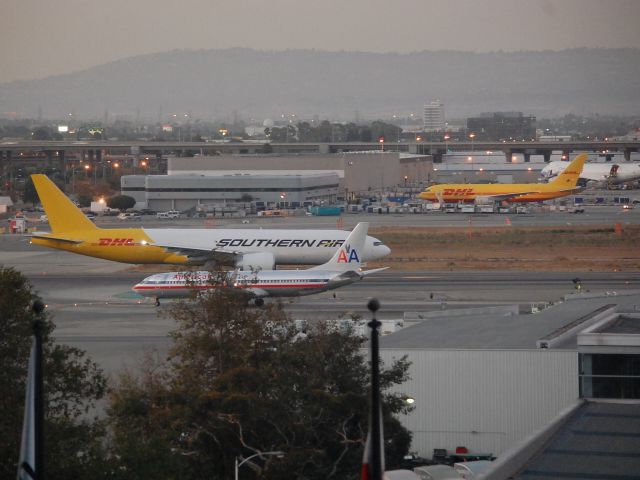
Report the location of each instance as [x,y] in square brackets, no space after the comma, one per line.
[467,208]
[169,214]
[450,208]
[129,216]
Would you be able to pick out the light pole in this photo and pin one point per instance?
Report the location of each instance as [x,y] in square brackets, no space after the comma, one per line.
[376,454]
[472,136]
[446,143]
[259,454]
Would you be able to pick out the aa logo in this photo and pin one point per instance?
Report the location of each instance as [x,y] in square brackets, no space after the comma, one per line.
[348,255]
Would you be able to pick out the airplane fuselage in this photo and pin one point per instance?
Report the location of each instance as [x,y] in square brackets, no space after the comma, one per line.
[149,246]
[468,192]
[270,283]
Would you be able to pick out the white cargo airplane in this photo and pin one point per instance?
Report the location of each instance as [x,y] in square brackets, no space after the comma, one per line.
[342,269]
[246,249]
[608,173]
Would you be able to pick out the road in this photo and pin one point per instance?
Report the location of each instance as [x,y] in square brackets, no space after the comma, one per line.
[594,215]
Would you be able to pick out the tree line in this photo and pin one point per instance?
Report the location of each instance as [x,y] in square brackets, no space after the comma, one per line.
[237,381]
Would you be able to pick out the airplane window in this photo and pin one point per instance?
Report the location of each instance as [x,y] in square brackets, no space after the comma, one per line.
[377,244]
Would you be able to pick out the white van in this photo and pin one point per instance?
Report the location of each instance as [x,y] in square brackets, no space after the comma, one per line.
[169,214]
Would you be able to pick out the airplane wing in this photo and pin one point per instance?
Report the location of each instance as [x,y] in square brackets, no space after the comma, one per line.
[217,255]
[505,196]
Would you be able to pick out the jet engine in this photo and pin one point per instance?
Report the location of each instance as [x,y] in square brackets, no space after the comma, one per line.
[256,261]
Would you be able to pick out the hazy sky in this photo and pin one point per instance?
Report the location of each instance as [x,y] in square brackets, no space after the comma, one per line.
[39,38]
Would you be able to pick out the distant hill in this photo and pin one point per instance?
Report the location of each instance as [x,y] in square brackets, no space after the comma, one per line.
[213,84]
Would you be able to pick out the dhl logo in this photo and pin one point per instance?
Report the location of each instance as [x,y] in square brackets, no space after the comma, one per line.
[353,256]
[458,191]
[116,242]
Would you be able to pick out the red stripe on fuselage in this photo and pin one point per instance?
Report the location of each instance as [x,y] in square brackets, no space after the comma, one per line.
[255,285]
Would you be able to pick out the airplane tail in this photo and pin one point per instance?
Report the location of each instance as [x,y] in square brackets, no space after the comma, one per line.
[568,178]
[63,215]
[347,257]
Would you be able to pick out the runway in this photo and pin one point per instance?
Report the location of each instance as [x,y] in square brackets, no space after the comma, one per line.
[94,309]
[98,313]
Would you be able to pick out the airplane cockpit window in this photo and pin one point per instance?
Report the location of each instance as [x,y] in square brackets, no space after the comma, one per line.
[378,244]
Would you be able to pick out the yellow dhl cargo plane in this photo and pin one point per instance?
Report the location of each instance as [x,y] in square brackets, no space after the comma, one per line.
[244,248]
[564,184]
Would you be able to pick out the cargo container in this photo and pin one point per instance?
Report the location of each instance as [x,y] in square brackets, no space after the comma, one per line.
[325,211]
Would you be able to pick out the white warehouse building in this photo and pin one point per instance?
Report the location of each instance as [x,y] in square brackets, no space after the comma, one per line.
[487,380]
[183,192]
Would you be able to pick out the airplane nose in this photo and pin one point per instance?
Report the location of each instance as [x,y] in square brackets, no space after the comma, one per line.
[384,251]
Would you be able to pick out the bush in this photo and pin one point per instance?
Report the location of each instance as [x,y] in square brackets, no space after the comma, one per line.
[121,202]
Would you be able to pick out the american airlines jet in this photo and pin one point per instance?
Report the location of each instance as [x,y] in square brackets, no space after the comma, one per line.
[246,249]
[342,269]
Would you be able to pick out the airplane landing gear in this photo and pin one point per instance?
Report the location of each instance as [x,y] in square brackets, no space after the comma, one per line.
[157,302]
[259,302]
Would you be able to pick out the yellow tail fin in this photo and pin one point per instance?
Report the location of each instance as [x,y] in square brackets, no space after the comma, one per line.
[570,175]
[63,215]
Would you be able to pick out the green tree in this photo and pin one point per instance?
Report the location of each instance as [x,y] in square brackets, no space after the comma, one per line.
[29,195]
[73,384]
[242,380]
[121,202]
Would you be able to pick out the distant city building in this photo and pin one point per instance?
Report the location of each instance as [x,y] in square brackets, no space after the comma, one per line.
[498,126]
[433,116]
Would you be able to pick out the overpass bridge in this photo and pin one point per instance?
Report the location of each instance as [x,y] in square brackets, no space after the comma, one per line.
[93,151]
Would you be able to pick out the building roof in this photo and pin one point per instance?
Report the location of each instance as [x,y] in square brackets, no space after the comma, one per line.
[598,441]
[491,331]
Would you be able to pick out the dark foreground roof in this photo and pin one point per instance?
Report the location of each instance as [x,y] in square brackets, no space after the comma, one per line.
[599,441]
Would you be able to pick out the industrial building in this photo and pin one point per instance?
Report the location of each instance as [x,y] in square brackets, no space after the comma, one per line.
[184,192]
[487,379]
[498,126]
[286,181]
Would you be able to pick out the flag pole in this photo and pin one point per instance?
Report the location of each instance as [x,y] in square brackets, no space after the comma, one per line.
[376,436]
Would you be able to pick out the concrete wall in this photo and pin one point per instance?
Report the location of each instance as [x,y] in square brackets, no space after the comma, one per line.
[485,400]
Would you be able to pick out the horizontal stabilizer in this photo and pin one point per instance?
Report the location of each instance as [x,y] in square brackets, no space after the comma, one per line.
[47,236]
[353,274]
[364,273]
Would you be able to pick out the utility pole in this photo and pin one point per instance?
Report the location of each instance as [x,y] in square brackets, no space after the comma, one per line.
[376,427]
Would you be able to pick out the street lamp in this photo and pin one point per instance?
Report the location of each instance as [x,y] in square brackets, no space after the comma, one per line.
[472,136]
[446,142]
[381,142]
[259,454]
